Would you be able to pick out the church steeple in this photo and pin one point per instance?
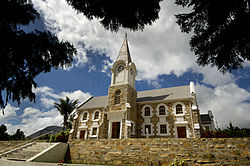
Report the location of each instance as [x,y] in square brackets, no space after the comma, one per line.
[123,69]
[124,53]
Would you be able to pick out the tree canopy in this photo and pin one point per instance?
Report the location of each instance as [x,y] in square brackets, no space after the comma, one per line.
[221,31]
[114,14]
[25,55]
[65,107]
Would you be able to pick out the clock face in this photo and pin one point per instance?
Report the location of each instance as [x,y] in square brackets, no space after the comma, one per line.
[120,68]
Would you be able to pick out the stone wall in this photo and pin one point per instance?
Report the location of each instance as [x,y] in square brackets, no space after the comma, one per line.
[161,151]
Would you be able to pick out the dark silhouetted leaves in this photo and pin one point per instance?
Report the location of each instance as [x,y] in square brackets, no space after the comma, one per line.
[114,14]
[221,31]
[25,55]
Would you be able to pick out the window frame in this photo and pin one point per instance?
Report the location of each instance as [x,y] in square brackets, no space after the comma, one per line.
[93,115]
[143,111]
[83,116]
[92,129]
[183,109]
[144,129]
[158,110]
[159,129]
[117,97]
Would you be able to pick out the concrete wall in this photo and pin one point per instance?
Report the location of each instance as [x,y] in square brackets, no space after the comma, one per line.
[161,151]
[54,154]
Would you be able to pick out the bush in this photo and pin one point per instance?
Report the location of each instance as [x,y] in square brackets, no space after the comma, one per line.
[62,136]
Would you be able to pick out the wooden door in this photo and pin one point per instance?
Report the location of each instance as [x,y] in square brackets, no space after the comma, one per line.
[181,132]
[82,134]
[116,130]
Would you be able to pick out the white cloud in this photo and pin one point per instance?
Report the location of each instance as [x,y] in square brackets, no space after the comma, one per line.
[34,120]
[159,49]
[229,103]
[30,112]
[76,95]
[9,113]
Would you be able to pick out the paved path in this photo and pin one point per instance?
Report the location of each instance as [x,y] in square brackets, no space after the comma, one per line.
[22,163]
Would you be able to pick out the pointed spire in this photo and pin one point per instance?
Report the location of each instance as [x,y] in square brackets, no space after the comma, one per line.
[124,53]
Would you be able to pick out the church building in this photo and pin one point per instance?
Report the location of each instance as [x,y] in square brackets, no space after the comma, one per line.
[127,113]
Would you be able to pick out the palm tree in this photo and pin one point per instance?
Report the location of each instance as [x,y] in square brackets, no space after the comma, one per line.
[65,107]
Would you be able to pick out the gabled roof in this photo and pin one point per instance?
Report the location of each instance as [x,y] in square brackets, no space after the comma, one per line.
[165,94]
[124,53]
[173,93]
[95,102]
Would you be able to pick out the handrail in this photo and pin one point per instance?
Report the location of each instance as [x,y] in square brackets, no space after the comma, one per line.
[29,141]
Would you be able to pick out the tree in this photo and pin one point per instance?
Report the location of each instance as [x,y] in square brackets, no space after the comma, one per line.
[3,134]
[25,55]
[221,31]
[19,135]
[65,107]
[113,14]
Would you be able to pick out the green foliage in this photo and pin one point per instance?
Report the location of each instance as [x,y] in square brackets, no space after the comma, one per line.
[66,107]
[235,132]
[179,162]
[229,132]
[114,14]
[62,136]
[25,55]
[221,31]
[19,135]
[3,134]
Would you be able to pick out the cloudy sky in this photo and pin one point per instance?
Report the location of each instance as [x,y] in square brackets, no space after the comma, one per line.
[160,52]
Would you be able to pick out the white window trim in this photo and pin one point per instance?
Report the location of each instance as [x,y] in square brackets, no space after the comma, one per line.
[183,108]
[110,128]
[143,111]
[93,116]
[97,132]
[143,129]
[86,133]
[87,116]
[159,130]
[188,130]
[158,110]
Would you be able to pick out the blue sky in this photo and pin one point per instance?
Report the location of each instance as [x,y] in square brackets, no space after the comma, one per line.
[162,57]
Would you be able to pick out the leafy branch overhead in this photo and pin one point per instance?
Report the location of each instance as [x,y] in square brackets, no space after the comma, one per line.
[221,31]
[114,14]
[25,55]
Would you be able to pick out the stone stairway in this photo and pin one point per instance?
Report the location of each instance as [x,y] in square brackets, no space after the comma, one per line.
[26,152]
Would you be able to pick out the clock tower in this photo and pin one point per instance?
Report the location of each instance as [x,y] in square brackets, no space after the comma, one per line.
[122,96]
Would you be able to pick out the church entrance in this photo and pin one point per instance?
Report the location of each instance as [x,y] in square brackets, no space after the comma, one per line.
[116,130]
[82,134]
[181,132]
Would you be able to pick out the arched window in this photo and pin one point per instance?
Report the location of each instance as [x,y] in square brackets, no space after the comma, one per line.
[162,110]
[179,109]
[147,111]
[85,116]
[117,96]
[96,115]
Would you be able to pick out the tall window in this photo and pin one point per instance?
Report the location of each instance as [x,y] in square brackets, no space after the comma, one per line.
[85,115]
[179,109]
[147,111]
[162,110]
[163,129]
[117,96]
[94,131]
[96,115]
